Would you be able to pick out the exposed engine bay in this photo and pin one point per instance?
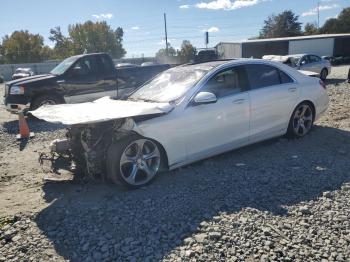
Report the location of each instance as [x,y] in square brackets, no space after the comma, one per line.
[86,145]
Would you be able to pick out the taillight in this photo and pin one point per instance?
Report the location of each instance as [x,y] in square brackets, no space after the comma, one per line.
[323,84]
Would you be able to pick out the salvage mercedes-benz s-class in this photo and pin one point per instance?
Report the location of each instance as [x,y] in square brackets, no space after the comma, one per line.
[185,114]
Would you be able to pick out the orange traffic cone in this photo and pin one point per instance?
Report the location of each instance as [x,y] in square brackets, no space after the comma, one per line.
[23,127]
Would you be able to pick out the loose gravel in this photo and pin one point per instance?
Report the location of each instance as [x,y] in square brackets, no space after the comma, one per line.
[280,200]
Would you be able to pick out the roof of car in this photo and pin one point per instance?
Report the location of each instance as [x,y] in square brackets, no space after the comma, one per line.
[207,65]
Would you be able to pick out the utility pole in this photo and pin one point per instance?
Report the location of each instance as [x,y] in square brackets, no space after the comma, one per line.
[206,39]
[166,36]
[318,15]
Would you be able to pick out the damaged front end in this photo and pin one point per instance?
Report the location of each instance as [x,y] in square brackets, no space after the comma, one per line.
[93,127]
[86,145]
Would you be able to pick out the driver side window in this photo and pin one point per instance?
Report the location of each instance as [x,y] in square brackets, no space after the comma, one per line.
[228,82]
[81,68]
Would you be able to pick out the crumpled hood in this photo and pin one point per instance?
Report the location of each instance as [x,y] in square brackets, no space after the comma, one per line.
[100,110]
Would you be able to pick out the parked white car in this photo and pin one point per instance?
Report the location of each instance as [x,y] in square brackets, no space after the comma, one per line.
[305,62]
[189,113]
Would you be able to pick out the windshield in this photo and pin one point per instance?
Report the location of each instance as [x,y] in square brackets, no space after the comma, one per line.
[169,85]
[64,65]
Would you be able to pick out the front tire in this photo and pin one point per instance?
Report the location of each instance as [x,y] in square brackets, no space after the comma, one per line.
[133,161]
[301,121]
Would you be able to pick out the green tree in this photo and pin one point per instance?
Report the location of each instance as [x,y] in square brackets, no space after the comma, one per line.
[63,46]
[282,25]
[22,47]
[344,20]
[310,29]
[162,53]
[338,25]
[331,26]
[187,52]
[90,37]
[96,37]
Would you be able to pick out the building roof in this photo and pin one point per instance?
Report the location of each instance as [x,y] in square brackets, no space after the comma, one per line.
[289,38]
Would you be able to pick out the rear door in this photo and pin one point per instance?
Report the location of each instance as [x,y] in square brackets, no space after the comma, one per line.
[315,63]
[273,93]
[82,81]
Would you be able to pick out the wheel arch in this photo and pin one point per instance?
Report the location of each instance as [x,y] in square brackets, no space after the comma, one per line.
[37,95]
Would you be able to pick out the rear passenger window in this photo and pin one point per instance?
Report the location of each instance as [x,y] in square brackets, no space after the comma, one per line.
[105,64]
[285,79]
[262,76]
[314,59]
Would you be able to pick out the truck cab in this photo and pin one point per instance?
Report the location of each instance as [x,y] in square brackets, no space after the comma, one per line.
[80,78]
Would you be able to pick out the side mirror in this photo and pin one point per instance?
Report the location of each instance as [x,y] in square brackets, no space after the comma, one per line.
[205,98]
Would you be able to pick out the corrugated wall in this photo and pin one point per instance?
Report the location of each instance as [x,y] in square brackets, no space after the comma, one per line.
[321,47]
[229,50]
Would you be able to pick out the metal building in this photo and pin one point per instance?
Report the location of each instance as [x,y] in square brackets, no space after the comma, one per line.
[322,45]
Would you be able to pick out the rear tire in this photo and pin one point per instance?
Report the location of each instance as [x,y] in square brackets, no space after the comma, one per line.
[324,74]
[134,161]
[301,121]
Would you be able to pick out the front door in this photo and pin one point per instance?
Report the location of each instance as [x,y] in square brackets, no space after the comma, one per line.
[82,82]
[221,126]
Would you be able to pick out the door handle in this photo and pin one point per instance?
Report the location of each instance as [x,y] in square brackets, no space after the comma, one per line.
[292,89]
[238,101]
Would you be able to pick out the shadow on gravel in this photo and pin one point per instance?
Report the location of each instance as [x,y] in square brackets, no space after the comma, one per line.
[94,220]
[35,125]
[335,81]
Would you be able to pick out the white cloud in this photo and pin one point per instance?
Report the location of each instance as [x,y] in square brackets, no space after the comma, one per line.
[212,29]
[135,28]
[313,11]
[103,16]
[184,6]
[227,4]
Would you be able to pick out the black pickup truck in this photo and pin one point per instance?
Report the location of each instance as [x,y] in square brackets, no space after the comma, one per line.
[77,79]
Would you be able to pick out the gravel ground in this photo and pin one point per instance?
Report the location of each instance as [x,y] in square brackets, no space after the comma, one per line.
[280,200]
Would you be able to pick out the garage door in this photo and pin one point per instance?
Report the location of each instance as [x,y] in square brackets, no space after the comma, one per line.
[319,47]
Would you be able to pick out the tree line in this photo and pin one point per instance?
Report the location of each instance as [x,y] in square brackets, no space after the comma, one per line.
[286,24]
[24,47]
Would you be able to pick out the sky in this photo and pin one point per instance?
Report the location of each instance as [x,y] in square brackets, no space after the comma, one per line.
[143,23]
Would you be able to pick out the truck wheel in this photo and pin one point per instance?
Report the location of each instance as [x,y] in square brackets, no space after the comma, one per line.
[134,161]
[45,100]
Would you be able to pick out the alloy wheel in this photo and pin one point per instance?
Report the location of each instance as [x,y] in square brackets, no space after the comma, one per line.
[139,162]
[302,120]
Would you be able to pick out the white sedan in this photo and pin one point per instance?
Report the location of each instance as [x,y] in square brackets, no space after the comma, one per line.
[196,111]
